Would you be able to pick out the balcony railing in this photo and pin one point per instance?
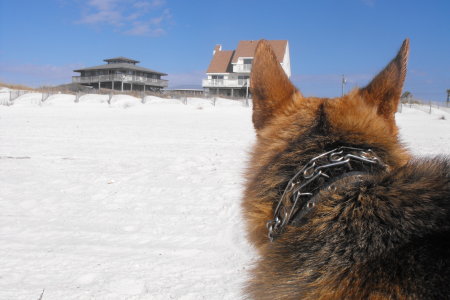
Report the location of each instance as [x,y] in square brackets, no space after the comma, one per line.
[225,83]
[120,77]
[245,68]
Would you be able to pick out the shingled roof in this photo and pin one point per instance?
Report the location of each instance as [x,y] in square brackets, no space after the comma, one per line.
[121,63]
[247,49]
[122,59]
[222,60]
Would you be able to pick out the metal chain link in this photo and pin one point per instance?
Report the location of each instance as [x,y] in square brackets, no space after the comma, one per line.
[296,188]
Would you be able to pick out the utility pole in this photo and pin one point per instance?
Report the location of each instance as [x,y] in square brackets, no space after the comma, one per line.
[344,81]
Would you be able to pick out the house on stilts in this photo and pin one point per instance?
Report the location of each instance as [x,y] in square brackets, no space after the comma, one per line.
[123,74]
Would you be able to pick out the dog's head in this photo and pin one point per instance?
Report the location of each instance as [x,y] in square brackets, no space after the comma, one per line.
[364,116]
[291,128]
[275,95]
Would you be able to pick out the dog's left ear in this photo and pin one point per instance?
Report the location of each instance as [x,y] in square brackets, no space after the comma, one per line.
[385,89]
[271,88]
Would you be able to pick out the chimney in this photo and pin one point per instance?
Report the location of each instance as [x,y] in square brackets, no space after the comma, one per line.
[218,47]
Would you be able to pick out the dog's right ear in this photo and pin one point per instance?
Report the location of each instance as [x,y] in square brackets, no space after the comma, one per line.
[271,88]
[385,89]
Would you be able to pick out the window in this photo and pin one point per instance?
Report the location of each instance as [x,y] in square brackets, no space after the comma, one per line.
[217,79]
[247,64]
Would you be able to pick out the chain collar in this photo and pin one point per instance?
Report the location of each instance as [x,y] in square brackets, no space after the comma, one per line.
[298,192]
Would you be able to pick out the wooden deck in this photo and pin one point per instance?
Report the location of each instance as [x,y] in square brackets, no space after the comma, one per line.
[130,79]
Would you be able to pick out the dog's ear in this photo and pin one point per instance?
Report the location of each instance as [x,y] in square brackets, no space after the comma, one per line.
[385,89]
[271,88]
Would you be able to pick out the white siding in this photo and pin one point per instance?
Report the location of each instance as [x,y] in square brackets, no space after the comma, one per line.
[231,79]
[286,64]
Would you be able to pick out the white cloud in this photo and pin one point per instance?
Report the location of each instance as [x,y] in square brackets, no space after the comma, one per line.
[131,17]
[152,27]
[370,3]
[143,29]
[149,4]
[103,4]
[105,16]
[31,69]
[37,75]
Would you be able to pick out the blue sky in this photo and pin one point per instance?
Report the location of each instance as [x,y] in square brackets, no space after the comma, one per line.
[41,42]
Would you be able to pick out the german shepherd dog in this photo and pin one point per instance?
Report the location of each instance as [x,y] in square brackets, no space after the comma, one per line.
[334,204]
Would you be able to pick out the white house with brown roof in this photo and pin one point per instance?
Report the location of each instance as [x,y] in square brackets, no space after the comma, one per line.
[229,70]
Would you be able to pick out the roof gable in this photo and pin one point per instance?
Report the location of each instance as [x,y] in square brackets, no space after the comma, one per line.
[220,62]
[247,49]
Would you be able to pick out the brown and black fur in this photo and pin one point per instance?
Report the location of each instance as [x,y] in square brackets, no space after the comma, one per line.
[386,236]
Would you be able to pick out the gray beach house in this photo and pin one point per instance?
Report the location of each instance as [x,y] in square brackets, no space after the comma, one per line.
[121,73]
